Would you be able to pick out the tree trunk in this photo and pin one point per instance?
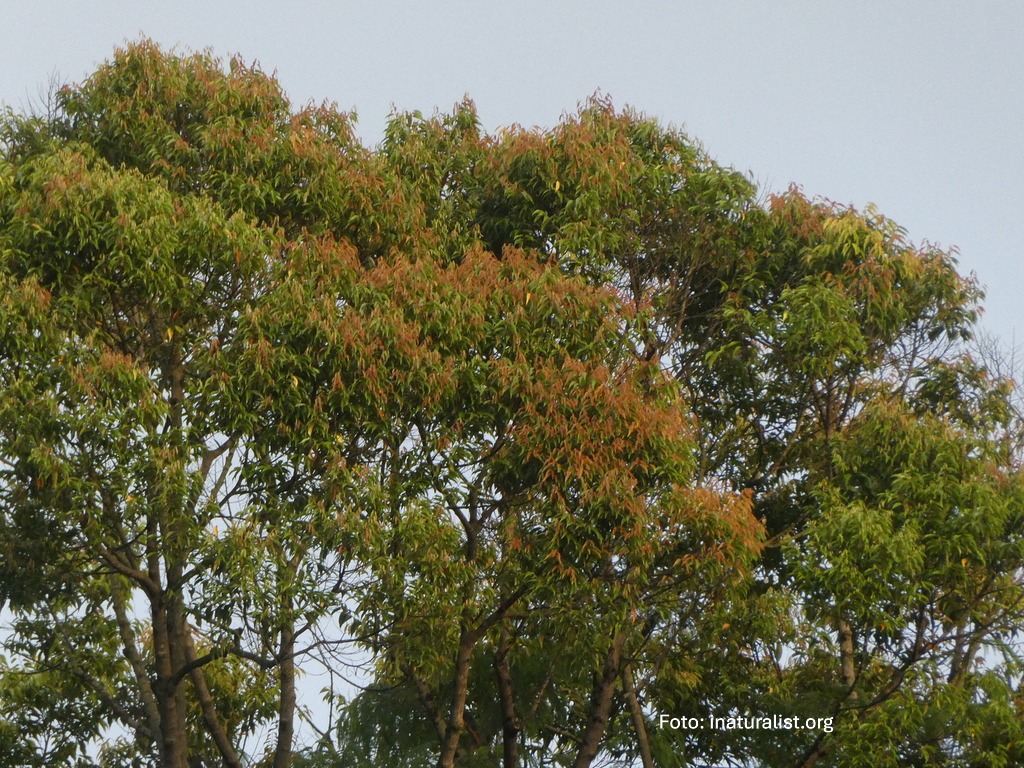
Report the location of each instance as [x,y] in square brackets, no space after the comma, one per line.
[635,711]
[511,725]
[456,714]
[286,702]
[173,737]
[601,703]
[846,653]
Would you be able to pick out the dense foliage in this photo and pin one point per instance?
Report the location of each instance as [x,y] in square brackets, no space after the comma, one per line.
[551,438]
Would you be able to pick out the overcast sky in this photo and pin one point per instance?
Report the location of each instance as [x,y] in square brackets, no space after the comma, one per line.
[915,106]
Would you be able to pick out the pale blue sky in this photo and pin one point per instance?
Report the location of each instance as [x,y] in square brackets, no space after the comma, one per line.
[915,106]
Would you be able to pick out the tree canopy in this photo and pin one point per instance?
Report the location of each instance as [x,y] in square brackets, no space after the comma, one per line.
[567,443]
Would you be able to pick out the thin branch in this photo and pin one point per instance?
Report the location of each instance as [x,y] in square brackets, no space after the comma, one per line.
[206,702]
[130,647]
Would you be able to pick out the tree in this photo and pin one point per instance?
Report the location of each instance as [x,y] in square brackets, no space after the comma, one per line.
[785,325]
[143,505]
[564,430]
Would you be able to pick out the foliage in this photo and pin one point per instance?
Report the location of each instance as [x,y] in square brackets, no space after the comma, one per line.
[564,431]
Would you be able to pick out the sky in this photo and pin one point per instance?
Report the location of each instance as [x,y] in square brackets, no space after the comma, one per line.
[916,106]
